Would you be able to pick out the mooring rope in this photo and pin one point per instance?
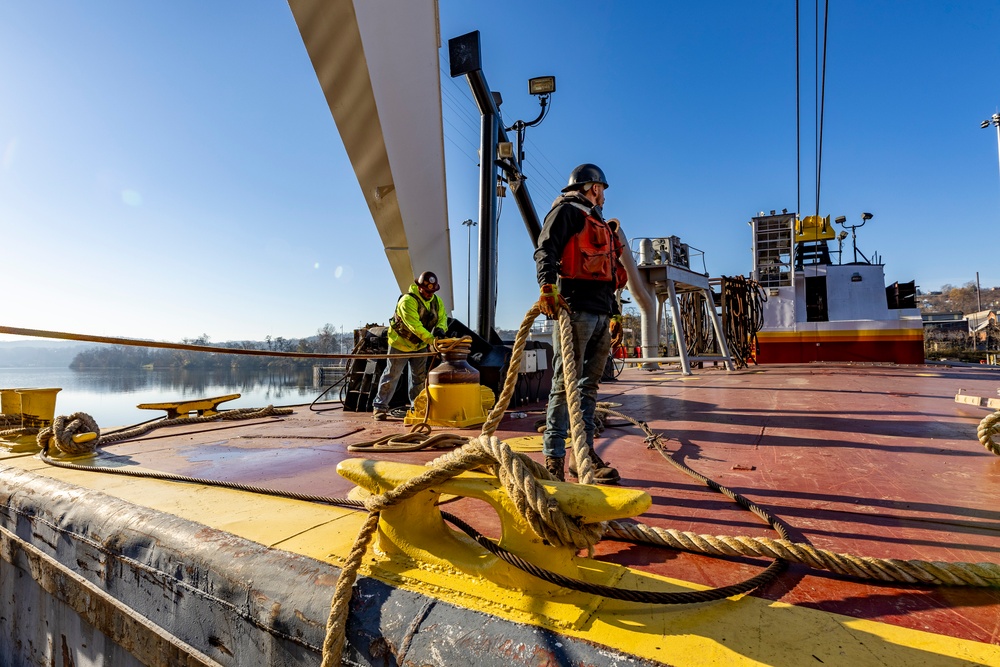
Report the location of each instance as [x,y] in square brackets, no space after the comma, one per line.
[863,567]
[191,347]
[988,428]
[519,475]
[65,427]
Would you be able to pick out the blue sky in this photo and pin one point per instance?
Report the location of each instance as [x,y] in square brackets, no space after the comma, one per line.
[171,169]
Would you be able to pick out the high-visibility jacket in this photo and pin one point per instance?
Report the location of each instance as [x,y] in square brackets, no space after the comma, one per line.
[415,318]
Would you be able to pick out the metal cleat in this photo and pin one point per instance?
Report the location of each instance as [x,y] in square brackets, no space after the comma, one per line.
[205,407]
[415,529]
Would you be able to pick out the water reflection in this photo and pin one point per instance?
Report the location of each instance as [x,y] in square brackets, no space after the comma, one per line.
[186,382]
[110,395]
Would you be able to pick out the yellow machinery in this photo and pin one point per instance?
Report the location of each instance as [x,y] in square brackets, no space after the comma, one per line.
[28,411]
[453,396]
[814,228]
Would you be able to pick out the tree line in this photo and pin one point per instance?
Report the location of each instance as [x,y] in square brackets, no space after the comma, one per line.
[966,299]
[326,341]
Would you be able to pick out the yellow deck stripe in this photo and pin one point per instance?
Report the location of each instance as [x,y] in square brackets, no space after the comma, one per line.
[738,632]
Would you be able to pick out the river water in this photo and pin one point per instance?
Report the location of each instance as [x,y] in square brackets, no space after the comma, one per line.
[110,396]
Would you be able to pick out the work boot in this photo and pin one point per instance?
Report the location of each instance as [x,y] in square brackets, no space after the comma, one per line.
[603,473]
[554,464]
[380,415]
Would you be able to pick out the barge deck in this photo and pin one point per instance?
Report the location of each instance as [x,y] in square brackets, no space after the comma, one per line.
[867,459]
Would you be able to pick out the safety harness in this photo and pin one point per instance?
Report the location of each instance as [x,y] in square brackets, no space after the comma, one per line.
[593,252]
[427,316]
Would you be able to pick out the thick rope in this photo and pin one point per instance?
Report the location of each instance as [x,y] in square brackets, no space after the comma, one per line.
[988,428]
[10,419]
[418,438]
[863,567]
[518,477]
[336,624]
[63,428]
[577,430]
[87,338]
[17,432]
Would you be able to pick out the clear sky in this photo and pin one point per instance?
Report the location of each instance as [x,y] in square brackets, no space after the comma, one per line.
[171,169]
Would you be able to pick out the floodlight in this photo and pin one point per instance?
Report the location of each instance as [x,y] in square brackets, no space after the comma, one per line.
[866,216]
[542,85]
[985,124]
[840,220]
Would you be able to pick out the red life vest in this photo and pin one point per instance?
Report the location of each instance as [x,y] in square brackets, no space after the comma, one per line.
[592,253]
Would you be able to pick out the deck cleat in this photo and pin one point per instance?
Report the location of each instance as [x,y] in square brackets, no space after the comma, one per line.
[415,529]
[203,407]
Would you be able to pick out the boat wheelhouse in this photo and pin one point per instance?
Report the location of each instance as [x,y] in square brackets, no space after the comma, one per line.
[818,310]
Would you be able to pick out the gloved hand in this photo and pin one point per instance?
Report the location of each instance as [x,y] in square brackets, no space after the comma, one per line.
[550,301]
[617,334]
[439,332]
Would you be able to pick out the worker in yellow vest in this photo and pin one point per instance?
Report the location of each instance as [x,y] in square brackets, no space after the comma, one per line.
[419,320]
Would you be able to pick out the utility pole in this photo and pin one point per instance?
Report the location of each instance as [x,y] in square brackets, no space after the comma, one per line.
[468,293]
[979,301]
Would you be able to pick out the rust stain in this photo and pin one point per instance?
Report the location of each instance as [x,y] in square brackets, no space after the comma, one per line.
[66,655]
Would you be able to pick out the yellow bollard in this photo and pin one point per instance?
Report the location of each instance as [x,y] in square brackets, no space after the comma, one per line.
[10,402]
[32,410]
[38,406]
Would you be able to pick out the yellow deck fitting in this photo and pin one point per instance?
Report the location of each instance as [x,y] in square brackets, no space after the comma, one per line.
[32,410]
[205,407]
[978,401]
[451,405]
[414,528]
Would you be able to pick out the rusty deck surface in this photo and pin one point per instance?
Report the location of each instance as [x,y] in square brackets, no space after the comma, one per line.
[874,460]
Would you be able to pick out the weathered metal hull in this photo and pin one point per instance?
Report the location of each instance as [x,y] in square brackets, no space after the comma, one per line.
[242,602]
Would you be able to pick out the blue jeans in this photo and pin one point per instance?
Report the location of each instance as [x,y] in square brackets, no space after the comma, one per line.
[591,344]
[390,378]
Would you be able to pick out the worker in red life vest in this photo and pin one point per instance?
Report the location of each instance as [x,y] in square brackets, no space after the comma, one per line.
[419,320]
[577,261]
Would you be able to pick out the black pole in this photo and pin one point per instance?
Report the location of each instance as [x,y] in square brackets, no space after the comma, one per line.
[487,224]
[465,59]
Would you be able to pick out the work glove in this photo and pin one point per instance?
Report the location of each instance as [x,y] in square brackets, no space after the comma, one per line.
[550,302]
[439,332]
[617,333]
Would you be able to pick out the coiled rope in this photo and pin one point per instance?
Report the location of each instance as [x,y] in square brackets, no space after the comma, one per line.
[59,436]
[988,428]
[742,316]
[698,332]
